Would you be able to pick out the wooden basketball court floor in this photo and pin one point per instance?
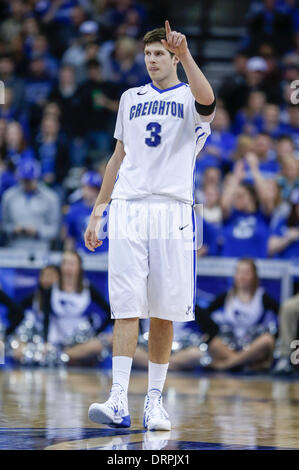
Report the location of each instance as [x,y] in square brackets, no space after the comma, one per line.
[47,409]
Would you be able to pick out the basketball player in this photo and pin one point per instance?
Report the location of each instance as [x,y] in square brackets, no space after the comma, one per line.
[160,129]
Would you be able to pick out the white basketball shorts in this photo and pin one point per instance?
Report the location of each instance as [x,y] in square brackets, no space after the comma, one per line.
[152,259]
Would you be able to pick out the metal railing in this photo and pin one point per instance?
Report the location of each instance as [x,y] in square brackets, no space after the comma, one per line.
[283,271]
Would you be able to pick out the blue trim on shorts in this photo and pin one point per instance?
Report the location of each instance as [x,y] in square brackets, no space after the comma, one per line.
[194,260]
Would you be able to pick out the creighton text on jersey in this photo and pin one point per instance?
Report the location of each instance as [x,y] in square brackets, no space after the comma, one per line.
[157,107]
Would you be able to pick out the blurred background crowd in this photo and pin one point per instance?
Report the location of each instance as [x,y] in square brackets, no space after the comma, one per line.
[65,64]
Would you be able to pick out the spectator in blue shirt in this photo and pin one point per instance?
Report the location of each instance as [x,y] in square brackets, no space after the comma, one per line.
[292,127]
[30,30]
[37,89]
[3,125]
[268,191]
[11,80]
[7,110]
[10,112]
[284,239]
[7,179]
[270,22]
[56,18]
[220,144]
[125,70]
[284,147]
[52,151]
[16,148]
[40,48]
[271,120]
[245,144]
[249,120]
[76,54]
[77,217]
[289,178]
[212,211]
[207,238]
[119,13]
[204,177]
[66,95]
[245,230]
[268,165]
[16,84]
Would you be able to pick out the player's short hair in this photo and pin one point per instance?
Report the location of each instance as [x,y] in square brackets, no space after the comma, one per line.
[155,36]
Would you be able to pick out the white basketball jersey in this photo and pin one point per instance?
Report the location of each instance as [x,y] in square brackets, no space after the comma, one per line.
[162,134]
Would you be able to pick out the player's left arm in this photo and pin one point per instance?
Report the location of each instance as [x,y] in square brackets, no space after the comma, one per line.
[199,85]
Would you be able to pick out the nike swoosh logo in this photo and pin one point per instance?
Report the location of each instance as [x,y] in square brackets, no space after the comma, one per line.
[138,93]
[182,227]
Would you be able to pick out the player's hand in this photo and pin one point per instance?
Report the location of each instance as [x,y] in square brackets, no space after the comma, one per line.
[91,236]
[175,42]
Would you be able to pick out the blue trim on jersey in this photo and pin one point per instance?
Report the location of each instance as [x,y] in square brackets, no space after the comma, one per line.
[193,186]
[200,136]
[167,89]
[198,127]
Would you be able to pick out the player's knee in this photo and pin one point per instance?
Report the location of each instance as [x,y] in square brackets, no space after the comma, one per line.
[159,323]
[122,322]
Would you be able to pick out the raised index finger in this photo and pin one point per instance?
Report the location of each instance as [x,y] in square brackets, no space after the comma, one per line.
[167,27]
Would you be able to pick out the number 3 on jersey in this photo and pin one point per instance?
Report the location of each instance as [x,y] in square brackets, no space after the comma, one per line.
[155,138]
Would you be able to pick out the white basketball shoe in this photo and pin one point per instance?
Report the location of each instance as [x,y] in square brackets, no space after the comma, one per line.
[114,412]
[155,417]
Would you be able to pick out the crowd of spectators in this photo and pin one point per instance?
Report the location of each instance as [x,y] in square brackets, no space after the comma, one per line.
[247,175]
[64,64]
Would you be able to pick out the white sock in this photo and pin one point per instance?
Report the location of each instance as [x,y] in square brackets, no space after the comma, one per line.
[156,375]
[121,370]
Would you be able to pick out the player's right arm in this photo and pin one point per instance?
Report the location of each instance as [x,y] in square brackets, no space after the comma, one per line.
[91,234]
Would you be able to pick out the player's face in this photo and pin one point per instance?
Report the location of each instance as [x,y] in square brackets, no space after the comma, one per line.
[159,63]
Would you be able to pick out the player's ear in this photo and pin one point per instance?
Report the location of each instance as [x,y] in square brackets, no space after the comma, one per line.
[176,60]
